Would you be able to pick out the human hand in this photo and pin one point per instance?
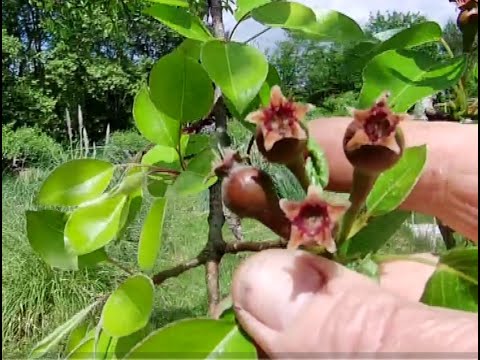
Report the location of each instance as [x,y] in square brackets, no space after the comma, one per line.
[294,302]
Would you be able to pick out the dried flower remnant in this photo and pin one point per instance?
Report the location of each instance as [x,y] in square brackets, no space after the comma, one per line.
[373,142]
[280,136]
[314,221]
[249,193]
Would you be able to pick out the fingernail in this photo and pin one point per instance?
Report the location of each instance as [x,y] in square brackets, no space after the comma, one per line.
[273,286]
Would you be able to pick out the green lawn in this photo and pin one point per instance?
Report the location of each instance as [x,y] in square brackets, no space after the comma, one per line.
[35,299]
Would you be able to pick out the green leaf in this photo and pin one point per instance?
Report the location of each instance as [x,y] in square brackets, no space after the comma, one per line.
[104,347]
[91,178]
[198,176]
[162,156]
[156,126]
[60,332]
[373,236]
[273,78]
[366,266]
[334,26]
[92,259]
[454,284]
[245,6]
[45,235]
[190,48]
[151,235]
[76,337]
[287,15]
[180,87]
[394,185]
[135,197]
[157,186]
[126,343]
[132,181]
[128,308]
[84,348]
[316,165]
[93,226]
[181,3]
[224,340]
[180,20]
[196,143]
[409,76]
[238,69]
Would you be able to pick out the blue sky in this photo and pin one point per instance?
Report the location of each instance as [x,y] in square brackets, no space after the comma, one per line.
[436,10]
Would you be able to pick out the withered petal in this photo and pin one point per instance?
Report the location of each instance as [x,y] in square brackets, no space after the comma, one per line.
[256,117]
[295,239]
[276,96]
[301,110]
[270,138]
[298,132]
[358,139]
[290,208]
[361,116]
[314,194]
[336,211]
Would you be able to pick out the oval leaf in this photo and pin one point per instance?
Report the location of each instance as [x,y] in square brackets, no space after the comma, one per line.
[332,25]
[84,350]
[126,343]
[273,78]
[76,337]
[93,226]
[181,88]
[151,235]
[155,126]
[162,156]
[394,185]
[245,6]
[238,69]
[206,339]
[287,15]
[373,236]
[91,178]
[60,332]
[180,20]
[128,308]
[92,259]
[45,235]
[409,76]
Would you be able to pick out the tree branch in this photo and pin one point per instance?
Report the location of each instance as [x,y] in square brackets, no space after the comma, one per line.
[213,285]
[177,270]
[236,247]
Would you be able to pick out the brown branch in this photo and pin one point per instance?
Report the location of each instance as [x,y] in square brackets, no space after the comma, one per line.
[236,247]
[177,270]
[213,285]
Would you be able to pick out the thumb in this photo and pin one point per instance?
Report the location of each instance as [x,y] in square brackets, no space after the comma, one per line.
[294,302]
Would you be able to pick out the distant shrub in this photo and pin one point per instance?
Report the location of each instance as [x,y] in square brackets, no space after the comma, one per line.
[335,105]
[123,145]
[29,147]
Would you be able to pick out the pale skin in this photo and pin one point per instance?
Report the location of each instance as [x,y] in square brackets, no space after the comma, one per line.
[291,302]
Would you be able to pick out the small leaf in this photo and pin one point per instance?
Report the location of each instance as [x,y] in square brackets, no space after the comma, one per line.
[181,3]
[238,69]
[180,20]
[85,347]
[180,87]
[93,226]
[162,156]
[132,182]
[156,126]
[366,266]
[224,340]
[394,185]
[454,284]
[128,309]
[157,186]
[45,235]
[245,6]
[60,332]
[373,236]
[151,235]
[287,15]
[196,143]
[126,343]
[104,347]
[316,165]
[91,178]
[409,76]
[76,337]
[334,26]
[92,259]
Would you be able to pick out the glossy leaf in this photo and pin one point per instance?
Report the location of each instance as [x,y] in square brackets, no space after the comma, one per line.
[60,332]
[126,343]
[238,69]
[128,308]
[181,88]
[454,284]
[198,176]
[374,235]
[104,347]
[151,235]
[162,156]
[181,3]
[154,125]
[190,48]
[409,76]
[273,78]
[157,186]
[45,235]
[287,15]
[334,26]
[394,185]
[317,165]
[387,34]
[224,339]
[132,182]
[245,6]
[92,259]
[180,20]
[75,182]
[93,226]
[196,144]
[76,337]
[84,350]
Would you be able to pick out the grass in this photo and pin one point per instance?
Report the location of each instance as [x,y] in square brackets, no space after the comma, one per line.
[36,299]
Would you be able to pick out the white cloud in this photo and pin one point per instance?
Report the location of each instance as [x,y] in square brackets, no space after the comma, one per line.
[437,10]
